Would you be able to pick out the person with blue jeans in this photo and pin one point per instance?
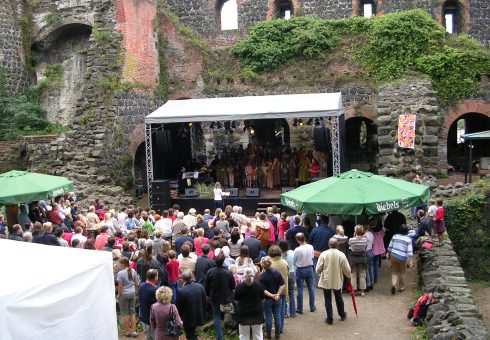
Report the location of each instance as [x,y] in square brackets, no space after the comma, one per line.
[288,255]
[273,283]
[303,262]
[219,287]
[369,257]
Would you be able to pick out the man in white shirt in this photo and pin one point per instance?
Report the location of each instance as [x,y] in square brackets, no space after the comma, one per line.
[164,225]
[190,219]
[79,236]
[303,262]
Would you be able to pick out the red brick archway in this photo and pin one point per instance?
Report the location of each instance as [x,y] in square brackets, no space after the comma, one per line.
[467,106]
[136,138]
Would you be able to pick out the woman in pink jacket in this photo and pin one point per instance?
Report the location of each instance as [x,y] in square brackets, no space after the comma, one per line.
[378,248]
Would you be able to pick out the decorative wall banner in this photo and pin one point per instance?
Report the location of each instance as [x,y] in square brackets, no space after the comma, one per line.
[406,131]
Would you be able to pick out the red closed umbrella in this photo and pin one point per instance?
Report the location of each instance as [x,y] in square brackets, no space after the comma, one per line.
[353,295]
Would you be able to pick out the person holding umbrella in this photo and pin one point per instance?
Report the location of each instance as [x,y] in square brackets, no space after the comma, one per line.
[332,267]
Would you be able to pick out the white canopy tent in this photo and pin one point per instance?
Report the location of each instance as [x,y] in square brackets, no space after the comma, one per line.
[327,105]
[56,293]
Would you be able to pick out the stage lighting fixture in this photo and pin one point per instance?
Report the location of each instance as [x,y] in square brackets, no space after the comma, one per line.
[301,123]
[190,124]
[252,131]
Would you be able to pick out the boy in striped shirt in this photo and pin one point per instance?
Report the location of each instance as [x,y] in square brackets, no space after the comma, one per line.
[401,252]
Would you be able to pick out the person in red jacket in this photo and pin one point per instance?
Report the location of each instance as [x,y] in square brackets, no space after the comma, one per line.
[439,224]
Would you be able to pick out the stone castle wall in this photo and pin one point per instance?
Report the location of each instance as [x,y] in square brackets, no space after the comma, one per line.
[12,57]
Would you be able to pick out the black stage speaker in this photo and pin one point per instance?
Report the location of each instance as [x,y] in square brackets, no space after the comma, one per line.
[286,189]
[160,187]
[191,192]
[253,192]
[234,192]
[160,200]
[321,139]
[163,141]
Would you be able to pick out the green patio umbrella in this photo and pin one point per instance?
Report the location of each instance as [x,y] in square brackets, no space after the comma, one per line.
[355,192]
[22,186]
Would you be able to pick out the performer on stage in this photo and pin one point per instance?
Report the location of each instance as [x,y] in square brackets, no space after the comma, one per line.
[218,196]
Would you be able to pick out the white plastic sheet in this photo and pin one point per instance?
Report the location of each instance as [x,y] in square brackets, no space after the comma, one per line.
[53,293]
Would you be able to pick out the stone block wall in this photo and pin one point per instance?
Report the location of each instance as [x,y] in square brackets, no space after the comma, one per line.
[388,6]
[480,21]
[410,96]
[12,58]
[336,9]
[455,314]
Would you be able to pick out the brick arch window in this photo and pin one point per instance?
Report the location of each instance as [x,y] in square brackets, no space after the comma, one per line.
[227,15]
[452,16]
[284,9]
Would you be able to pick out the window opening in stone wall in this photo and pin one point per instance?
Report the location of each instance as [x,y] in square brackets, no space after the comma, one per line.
[229,15]
[367,9]
[284,9]
[460,130]
[450,14]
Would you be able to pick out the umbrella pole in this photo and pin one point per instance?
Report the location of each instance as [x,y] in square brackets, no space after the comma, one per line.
[471,159]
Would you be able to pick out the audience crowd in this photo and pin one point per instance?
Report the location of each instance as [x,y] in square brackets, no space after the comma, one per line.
[185,268]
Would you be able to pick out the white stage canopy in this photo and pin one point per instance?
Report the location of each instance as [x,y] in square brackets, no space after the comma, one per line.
[243,108]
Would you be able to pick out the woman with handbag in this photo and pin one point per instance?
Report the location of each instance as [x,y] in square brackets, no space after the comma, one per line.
[164,316]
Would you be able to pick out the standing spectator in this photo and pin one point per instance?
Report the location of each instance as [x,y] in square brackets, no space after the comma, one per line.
[59,235]
[164,225]
[147,262]
[379,249]
[439,225]
[424,224]
[357,258]
[279,264]
[223,225]
[401,252]
[273,283]
[235,243]
[173,273]
[47,237]
[191,303]
[190,219]
[319,240]
[147,225]
[369,254]
[161,311]
[303,262]
[181,239]
[244,261]
[177,226]
[78,235]
[250,310]
[219,289]
[127,287]
[292,232]
[101,239]
[157,243]
[146,298]
[27,236]
[200,240]
[288,256]
[186,262]
[282,226]
[253,245]
[333,267]
[16,234]
[203,264]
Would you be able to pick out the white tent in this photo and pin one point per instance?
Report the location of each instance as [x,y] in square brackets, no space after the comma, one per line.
[56,293]
[241,108]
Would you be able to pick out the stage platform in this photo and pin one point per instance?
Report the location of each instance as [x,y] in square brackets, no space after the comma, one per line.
[250,205]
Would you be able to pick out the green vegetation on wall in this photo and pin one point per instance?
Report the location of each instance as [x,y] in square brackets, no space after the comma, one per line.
[466,226]
[385,46]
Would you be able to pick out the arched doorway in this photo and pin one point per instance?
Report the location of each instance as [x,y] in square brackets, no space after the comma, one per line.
[467,123]
[269,131]
[361,139]
[139,170]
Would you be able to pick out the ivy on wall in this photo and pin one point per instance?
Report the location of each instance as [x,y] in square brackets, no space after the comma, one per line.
[466,226]
[386,47]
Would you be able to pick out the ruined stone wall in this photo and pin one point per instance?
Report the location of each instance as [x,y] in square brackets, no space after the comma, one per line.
[336,9]
[12,57]
[479,12]
[251,12]
[455,314]
[387,6]
[409,96]
[198,14]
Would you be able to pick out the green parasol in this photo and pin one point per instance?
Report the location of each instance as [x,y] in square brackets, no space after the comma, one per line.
[355,192]
[22,186]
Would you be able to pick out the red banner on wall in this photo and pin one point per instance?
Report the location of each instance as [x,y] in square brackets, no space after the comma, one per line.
[406,131]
